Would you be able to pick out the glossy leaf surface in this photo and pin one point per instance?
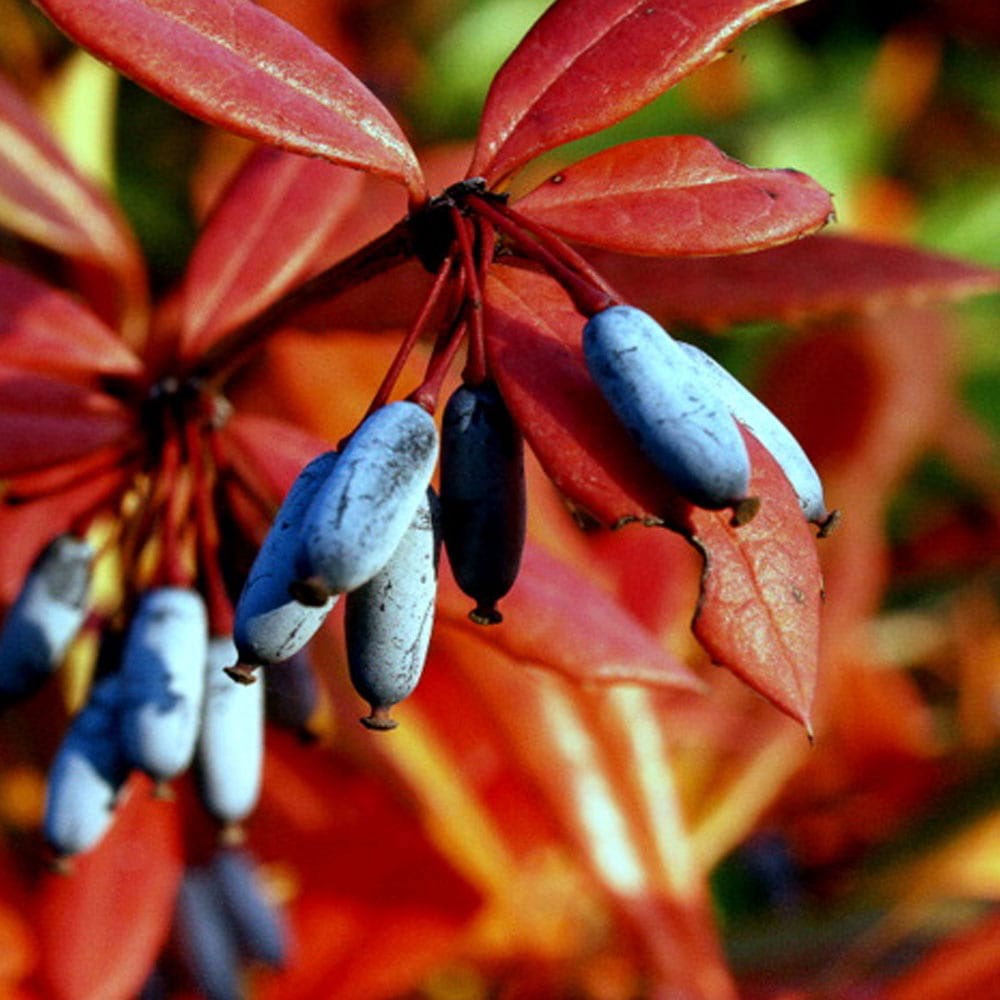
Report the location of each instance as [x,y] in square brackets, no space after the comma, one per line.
[44,421]
[237,66]
[43,329]
[587,64]
[676,196]
[816,277]
[761,588]
[550,602]
[262,239]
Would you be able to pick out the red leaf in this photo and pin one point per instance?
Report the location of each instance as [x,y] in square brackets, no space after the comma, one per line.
[44,199]
[533,342]
[262,238]
[44,421]
[388,301]
[676,196]
[759,610]
[27,528]
[398,905]
[274,450]
[237,66]
[103,925]
[44,330]
[816,277]
[761,591]
[551,602]
[587,64]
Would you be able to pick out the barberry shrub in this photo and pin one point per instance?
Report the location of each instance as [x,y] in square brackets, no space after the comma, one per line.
[533,283]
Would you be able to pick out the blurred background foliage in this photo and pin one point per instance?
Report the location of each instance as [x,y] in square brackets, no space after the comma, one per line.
[892,106]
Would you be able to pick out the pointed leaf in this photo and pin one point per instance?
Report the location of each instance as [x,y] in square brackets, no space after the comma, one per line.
[587,64]
[534,348]
[676,196]
[761,591]
[44,199]
[759,610]
[812,278]
[44,421]
[103,924]
[551,601]
[44,330]
[262,238]
[237,66]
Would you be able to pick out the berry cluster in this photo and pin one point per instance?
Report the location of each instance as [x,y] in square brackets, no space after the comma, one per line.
[147,449]
[166,705]
[366,522]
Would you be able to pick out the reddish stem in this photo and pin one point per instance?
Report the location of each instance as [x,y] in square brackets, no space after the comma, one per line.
[171,569]
[473,304]
[415,332]
[564,251]
[587,297]
[430,389]
[220,608]
[476,367]
[448,341]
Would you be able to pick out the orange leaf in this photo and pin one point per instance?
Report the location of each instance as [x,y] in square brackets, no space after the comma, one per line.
[587,64]
[240,67]
[551,602]
[104,923]
[761,591]
[44,199]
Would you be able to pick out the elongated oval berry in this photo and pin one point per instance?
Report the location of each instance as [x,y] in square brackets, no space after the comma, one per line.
[47,614]
[230,751]
[482,496]
[667,406]
[768,429]
[87,773]
[270,625]
[388,621]
[368,501]
[163,680]
[205,938]
[258,925]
